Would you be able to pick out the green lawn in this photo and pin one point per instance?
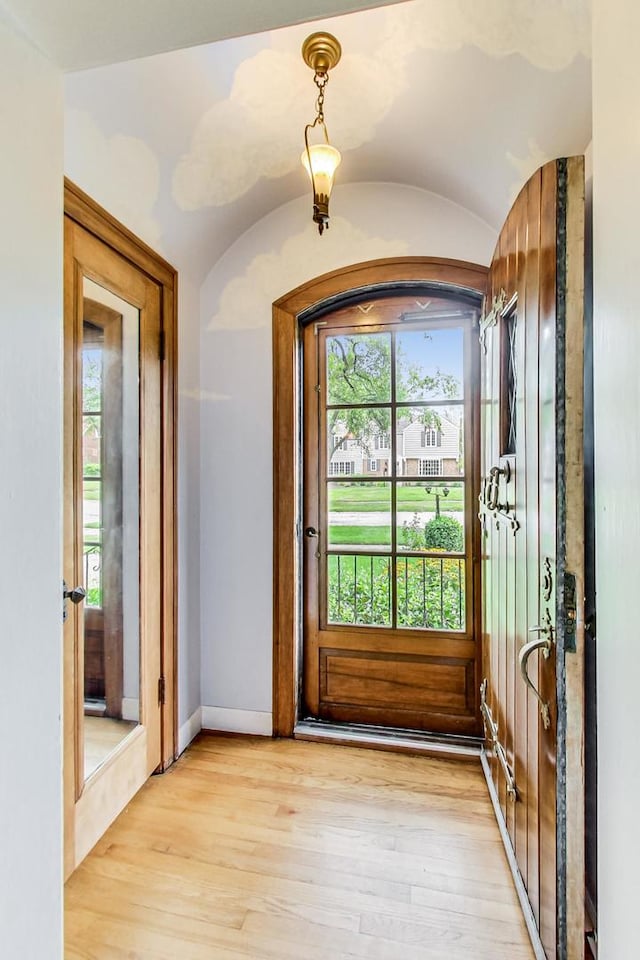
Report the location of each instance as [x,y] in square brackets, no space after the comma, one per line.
[363,536]
[368,498]
[369,536]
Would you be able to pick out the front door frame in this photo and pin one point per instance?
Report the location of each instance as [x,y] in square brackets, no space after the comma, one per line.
[373,277]
[84,211]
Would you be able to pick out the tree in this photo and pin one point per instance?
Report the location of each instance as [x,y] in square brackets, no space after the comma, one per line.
[359,371]
[91,393]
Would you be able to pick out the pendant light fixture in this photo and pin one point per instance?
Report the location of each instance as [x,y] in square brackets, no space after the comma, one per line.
[321,52]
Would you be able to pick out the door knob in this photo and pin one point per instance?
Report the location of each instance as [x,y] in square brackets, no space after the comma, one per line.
[76,594]
[310,532]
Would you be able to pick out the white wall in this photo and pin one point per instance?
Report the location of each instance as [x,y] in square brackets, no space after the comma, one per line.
[616,219]
[274,256]
[30,502]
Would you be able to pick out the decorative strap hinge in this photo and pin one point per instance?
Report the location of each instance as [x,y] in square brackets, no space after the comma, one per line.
[491,734]
[491,317]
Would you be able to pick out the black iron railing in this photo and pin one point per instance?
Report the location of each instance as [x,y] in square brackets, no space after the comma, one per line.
[429,591]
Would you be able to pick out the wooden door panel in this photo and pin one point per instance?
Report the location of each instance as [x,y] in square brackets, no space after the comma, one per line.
[521,620]
[525,535]
[413,683]
[546,669]
[529,853]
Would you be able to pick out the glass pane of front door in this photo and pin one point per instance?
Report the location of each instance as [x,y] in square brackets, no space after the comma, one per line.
[398,533]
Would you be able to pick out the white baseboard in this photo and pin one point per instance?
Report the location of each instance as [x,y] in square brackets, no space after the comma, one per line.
[131,709]
[189,729]
[237,721]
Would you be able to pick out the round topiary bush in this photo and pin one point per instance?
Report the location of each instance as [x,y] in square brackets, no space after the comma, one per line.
[444,533]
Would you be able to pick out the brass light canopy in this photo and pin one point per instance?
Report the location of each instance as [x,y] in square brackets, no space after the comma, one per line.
[321,52]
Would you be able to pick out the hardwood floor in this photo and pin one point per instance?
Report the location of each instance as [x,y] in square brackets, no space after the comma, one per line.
[279,849]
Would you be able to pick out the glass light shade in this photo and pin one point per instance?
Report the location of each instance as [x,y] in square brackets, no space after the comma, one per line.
[324,162]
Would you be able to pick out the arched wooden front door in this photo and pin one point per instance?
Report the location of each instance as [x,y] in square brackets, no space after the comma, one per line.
[348,657]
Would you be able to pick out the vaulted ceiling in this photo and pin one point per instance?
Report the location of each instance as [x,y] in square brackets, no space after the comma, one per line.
[464,98]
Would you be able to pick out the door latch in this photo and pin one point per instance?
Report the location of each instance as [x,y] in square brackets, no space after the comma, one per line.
[570,613]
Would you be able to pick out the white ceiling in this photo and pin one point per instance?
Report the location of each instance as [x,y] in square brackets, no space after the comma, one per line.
[464,98]
[77,34]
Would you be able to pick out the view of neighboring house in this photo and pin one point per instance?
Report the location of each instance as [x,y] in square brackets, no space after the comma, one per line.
[422,450]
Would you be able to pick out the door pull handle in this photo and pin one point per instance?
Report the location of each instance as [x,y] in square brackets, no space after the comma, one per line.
[310,532]
[544,645]
[493,485]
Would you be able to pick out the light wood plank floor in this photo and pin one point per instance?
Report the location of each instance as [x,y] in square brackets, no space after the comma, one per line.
[284,850]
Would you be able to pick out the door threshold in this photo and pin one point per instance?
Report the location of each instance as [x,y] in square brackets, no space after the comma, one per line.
[386,738]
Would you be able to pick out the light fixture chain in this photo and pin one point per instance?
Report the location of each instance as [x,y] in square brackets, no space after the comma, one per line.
[320,80]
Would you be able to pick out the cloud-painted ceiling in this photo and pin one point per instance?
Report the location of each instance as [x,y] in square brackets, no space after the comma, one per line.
[460,97]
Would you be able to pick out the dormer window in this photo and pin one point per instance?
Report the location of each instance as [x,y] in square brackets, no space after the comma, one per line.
[431,437]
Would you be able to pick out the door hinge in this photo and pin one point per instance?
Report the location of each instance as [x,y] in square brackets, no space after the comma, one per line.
[162,691]
[162,345]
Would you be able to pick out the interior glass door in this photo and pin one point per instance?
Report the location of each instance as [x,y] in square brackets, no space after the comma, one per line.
[113,541]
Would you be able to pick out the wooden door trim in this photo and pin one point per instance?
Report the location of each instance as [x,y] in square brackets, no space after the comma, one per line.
[371,277]
[88,214]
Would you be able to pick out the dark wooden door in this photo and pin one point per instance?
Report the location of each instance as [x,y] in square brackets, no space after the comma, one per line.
[531,512]
[390,538]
